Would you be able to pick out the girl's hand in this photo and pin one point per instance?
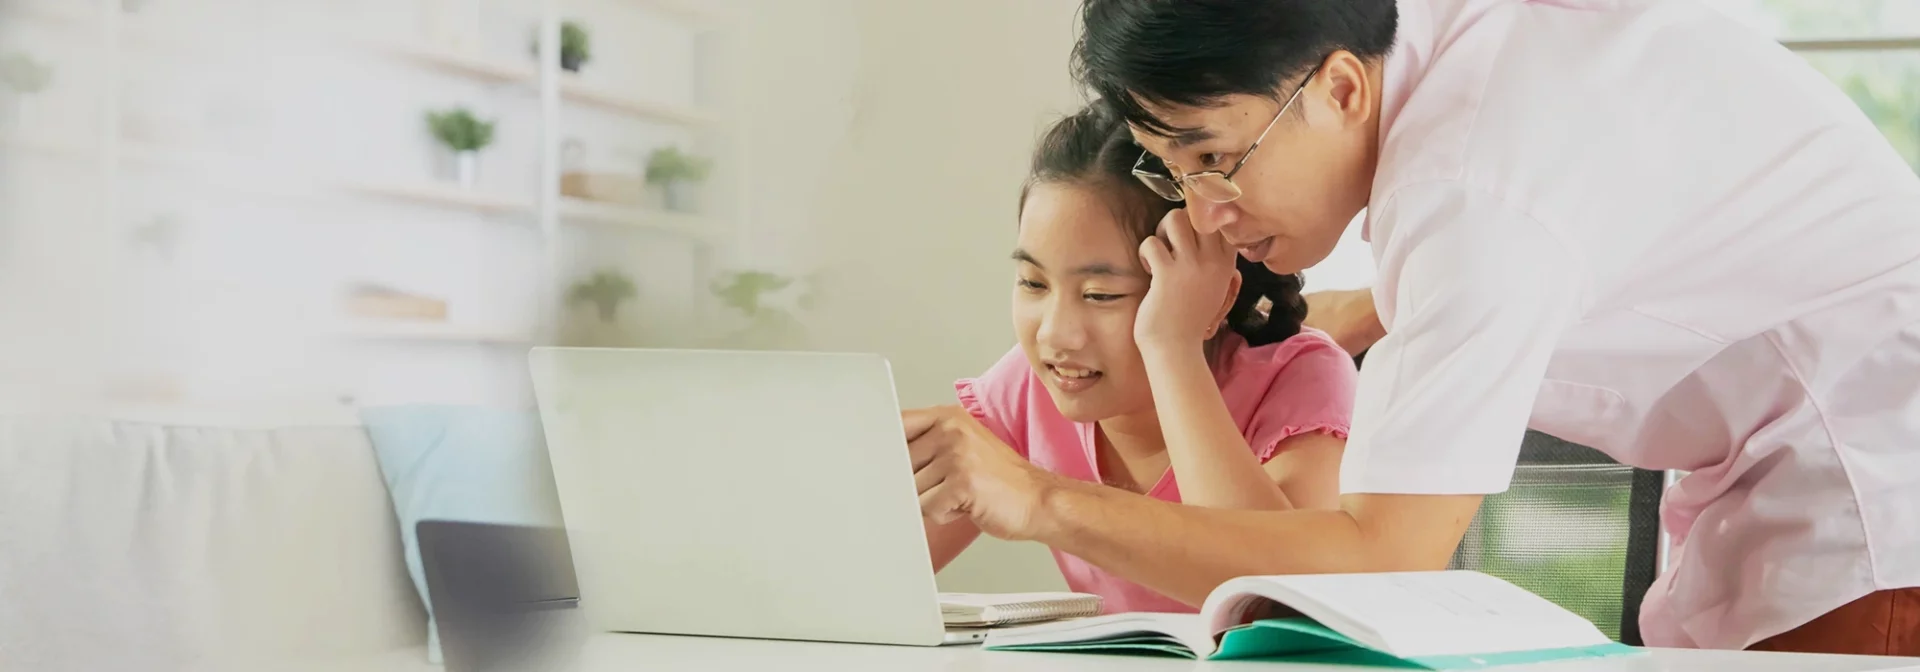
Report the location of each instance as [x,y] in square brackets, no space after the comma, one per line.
[1192,276]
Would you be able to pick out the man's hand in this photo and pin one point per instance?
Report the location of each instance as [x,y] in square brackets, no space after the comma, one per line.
[1194,278]
[963,471]
[1347,316]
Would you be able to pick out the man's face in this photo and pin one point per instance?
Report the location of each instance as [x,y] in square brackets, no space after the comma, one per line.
[1304,183]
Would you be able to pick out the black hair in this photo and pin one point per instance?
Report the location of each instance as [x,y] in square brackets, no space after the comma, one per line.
[1140,53]
[1092,148]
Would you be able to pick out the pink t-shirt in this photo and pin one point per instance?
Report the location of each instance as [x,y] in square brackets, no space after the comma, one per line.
[1304,384]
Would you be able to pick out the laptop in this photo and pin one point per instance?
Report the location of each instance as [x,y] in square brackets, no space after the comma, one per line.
[764,495]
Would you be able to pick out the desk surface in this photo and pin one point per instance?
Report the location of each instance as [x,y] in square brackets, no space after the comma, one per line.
[619,653]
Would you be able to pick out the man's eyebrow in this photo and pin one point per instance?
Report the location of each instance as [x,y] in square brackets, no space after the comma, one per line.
[1189,137]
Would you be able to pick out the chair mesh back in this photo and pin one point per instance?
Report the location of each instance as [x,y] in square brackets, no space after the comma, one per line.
[1561,530]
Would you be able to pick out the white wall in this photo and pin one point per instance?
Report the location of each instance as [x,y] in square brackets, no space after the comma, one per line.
[892,139]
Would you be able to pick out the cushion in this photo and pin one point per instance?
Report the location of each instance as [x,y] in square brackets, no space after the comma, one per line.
[461,463]
[156,546]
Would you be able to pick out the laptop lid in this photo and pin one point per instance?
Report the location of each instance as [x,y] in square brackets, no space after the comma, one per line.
[731,493]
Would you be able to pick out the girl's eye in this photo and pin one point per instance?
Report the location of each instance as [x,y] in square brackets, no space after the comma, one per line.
[1212,159]
[1103,298]
[1030,285]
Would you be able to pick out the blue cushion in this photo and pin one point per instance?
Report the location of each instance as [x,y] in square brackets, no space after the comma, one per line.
[460,463]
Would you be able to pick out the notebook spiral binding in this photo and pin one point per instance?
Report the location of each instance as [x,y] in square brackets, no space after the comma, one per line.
[1030,612]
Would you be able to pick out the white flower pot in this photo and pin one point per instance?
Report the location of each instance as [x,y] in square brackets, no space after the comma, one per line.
[16,111]
[683,196]
[462,168]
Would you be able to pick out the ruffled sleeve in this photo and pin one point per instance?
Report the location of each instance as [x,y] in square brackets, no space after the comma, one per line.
[1309,388]
[997,398]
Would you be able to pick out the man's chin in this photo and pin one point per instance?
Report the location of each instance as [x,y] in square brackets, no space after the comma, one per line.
[1283,266]
[1290,262]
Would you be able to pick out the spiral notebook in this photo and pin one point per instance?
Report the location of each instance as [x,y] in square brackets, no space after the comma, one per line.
[986,610]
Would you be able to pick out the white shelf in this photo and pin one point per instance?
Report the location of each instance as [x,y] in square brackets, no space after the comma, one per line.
[57,11]
[577,91]
[430,332]
[578,211]
[52,147]
[501,72]
[702,12]
[474,67]
[443,195]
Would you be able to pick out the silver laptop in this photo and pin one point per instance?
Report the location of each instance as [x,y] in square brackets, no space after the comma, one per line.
[739,494]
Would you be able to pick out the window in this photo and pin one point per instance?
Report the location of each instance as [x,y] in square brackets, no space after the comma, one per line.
[1870,48]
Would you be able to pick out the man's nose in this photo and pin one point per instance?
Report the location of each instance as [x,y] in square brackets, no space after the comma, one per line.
[1209,217]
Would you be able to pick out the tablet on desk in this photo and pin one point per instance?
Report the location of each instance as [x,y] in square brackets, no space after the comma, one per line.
[504,596]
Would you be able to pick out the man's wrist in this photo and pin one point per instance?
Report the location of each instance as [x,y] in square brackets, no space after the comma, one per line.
[1056,501]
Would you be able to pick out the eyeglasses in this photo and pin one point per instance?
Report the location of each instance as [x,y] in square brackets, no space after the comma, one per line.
[1212,185]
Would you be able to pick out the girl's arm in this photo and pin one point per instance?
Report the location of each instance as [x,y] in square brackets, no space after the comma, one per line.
[1210,458]
[1307,468]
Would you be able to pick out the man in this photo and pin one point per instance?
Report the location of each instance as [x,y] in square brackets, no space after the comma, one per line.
[1630,224]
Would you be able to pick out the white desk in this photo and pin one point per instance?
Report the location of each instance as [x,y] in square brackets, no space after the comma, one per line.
[624,653]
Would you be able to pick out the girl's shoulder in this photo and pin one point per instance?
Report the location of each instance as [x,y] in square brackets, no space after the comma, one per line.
[1305,384]
[1310,351]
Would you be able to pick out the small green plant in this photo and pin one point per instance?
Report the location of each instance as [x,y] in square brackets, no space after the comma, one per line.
[576,46]
[459,130]
[24,74]
[605,290]
[668,165]
[769,302]
[743,291]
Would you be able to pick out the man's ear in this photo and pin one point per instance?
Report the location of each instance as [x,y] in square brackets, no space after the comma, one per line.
[1347,91]
[1233,292]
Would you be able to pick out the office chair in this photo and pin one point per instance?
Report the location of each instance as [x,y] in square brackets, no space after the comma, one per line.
[1576,528]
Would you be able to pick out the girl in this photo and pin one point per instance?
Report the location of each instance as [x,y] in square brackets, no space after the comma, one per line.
[1146,363]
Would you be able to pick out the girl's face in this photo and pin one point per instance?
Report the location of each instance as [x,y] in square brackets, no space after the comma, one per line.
[1077,287]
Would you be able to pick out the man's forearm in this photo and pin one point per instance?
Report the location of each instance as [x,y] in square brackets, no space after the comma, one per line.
[1349,316]
[1187,551]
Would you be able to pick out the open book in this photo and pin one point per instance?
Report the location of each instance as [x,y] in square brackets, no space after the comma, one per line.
[1448,620]
[980,610]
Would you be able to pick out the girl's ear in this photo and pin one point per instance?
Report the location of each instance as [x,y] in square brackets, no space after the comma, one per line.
[1226,304]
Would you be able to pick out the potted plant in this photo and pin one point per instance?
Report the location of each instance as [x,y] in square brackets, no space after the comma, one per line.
[605,290]
[464,135]
[22,76]
[677,173]
[770,303]
[576,46]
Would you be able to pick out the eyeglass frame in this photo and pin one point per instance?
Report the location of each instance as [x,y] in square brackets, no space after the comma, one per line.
[1181,182]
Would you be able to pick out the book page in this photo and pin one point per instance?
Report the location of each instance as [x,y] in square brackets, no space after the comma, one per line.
[1438,613]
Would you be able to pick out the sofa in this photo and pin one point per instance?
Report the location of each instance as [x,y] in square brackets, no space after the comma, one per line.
[140,540]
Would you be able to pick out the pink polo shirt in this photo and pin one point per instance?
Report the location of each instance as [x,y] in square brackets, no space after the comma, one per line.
[1638,226]
[1304,384]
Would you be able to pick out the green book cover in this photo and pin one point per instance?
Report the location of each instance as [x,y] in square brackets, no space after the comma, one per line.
[1306,641]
